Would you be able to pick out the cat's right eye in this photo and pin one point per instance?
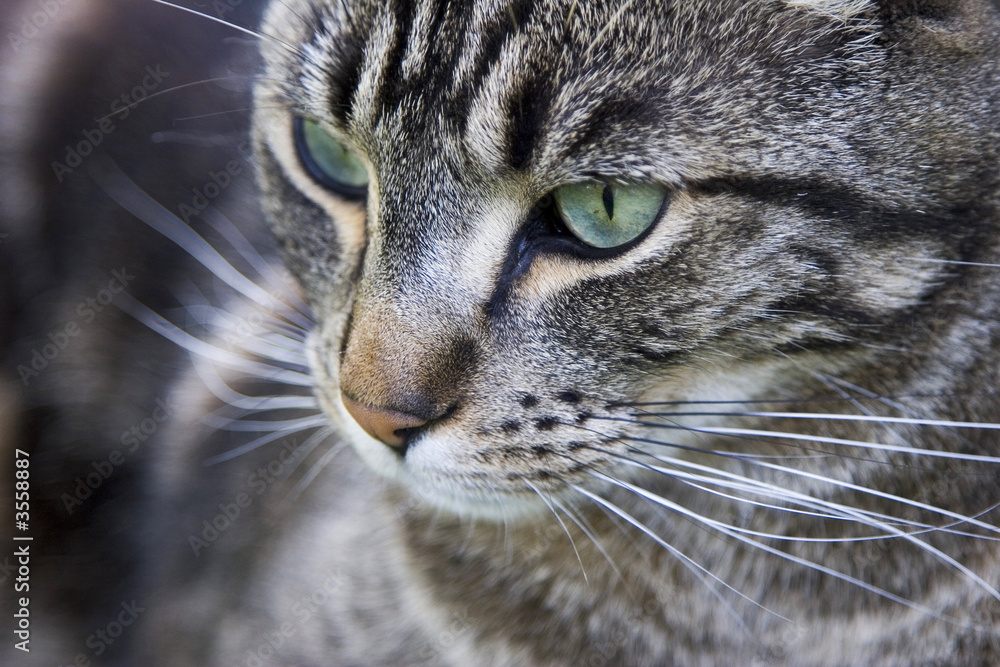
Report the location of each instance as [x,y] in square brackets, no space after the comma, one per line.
[609,215]
[330,163]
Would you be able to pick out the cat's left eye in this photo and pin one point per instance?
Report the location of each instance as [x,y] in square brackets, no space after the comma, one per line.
[329,161]
[609,215]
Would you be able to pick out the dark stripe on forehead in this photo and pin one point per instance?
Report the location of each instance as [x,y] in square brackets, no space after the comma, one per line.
[495,35]
[528,110]
[444,54]
[344,70]
[392,87]
[439,61]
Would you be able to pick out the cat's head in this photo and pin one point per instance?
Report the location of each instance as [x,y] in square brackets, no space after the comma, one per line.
[515,220]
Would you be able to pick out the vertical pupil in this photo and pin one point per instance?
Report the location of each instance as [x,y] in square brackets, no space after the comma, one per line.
[609,201]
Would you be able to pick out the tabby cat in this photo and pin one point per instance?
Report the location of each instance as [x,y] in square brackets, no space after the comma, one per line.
[619,332]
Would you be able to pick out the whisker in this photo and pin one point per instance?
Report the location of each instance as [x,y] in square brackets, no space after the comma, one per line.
[758,487]
[882,494]
[262,344]
[840,385]
[507,542]
[947,528]
[264,268]
[833,482]
[317,467]
[842,391]
[701,572]
[135,200]
[799,401]
[263,404]
[160,325]
[588,530]
[258,346]
[762,433]
[561,524]
[253,33]
[787,556]
[249,446]
[298,424]
[213,114]
[222,391]
[836,417]
[930,260]
[468,537]
[172,89]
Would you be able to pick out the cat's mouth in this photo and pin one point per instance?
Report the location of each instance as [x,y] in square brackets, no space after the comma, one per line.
[470,475]
[429,470]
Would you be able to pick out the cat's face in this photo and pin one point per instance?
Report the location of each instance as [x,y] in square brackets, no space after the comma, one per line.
[765,185]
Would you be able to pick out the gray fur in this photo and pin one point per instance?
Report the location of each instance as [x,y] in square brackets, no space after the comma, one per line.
[831,234]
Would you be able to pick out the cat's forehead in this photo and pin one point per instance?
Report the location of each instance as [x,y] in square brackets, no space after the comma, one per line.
[501,87]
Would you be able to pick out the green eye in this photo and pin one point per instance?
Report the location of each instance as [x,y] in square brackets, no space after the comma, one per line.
[329,161]
[608,215]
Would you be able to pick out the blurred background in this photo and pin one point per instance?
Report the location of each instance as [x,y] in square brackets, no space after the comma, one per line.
[88,87]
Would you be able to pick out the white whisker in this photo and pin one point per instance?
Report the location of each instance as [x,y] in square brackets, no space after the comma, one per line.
[265,269]
[172,89]
[930,260]
[258,345]
[760,433]
[773,490]
[135,200]
[247,447]
[259,404]
[561,524]
[837,417]
[317,467]
[218,387]
[796,559]
[701,572]
[182,339]
[224,424]
[735,482]
[253,33]
[230,316]
[589,531]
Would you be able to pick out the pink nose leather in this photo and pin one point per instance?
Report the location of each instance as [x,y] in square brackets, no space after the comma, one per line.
[382,424]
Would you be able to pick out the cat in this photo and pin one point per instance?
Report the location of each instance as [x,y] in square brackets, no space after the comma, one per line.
[619,333]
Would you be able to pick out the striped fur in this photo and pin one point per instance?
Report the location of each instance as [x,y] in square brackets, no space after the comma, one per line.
[766,432]
[831,167]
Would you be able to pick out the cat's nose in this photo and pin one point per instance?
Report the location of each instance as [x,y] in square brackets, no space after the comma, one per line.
[386,425]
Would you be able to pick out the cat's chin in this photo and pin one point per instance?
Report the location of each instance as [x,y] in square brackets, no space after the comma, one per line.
[474,503]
